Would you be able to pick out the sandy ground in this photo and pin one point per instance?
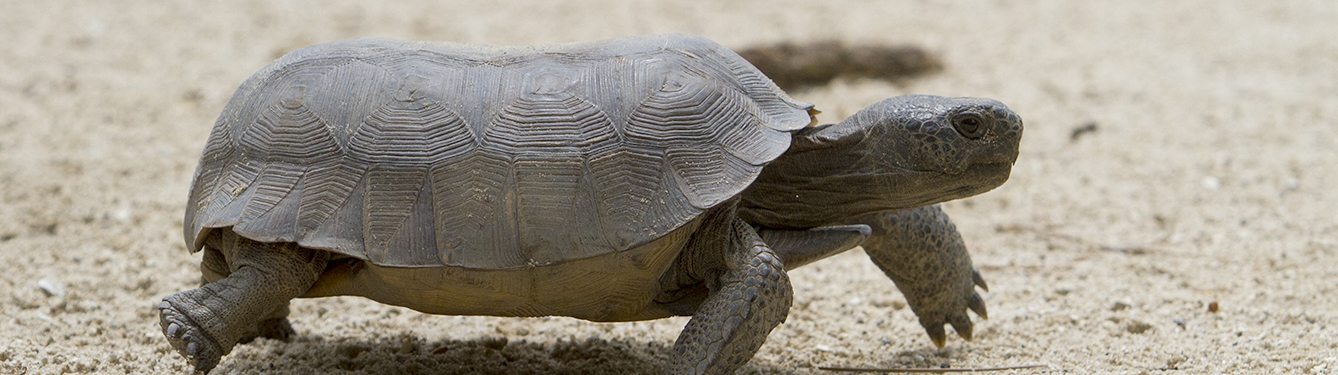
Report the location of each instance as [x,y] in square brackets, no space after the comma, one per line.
[1209,178]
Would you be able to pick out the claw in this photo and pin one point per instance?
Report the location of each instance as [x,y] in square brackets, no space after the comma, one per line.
[962,324]
[187,337]
[980,281]
[936,333]
[978,305]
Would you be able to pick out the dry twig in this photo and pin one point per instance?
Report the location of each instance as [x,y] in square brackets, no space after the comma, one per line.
[931,370]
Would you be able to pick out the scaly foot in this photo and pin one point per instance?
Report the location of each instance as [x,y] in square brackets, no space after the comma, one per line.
[947,307]
[187,336]
[921,250]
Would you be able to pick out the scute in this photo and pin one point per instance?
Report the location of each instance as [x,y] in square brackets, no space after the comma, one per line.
[423,155]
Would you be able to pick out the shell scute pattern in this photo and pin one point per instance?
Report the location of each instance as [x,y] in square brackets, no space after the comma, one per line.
[422,155]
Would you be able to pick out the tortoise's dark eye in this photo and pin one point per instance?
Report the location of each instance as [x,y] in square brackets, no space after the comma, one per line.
[971,125]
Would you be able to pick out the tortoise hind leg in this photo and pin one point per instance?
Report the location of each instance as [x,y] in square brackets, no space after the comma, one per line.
[275,325]
[204,324]
[747,300]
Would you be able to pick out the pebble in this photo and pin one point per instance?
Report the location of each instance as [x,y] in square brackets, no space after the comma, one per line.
[1211,183]
[51,288]
[122,214]
[1291,184]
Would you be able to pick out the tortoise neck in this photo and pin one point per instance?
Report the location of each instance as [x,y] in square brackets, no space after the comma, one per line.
[817,184]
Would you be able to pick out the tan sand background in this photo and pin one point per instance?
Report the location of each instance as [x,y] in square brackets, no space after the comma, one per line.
[1210,178]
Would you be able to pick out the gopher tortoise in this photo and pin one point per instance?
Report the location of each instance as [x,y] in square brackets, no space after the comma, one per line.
[621,180]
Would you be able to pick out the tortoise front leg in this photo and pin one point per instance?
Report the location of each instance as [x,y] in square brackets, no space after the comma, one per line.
[797,248]
[747,300]
[921,251]
[204,324]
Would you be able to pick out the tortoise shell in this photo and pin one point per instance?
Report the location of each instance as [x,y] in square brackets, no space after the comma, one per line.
[410,154]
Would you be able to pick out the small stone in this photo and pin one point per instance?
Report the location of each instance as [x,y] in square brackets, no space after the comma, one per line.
[51,288]
[1211,183]
[1291,184]
[1212,306]
[1175,361]
[1079,131]
[122,214]
[408,346]
[1137,327]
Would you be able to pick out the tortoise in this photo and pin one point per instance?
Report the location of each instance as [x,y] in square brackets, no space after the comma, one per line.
[621,180]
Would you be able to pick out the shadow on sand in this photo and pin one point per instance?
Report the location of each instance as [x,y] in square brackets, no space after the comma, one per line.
[410,355]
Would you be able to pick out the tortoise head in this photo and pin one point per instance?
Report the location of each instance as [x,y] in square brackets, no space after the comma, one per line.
[931,147]
[902,152]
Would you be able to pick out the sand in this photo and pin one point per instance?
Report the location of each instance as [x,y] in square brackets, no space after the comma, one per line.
[1208,180]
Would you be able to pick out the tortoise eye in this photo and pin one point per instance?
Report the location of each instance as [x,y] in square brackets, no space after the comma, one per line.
[970,125]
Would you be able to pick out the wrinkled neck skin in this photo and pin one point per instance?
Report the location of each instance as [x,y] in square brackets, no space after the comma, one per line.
[832,174]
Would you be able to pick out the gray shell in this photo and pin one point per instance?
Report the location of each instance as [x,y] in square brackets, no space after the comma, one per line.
[423,154]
